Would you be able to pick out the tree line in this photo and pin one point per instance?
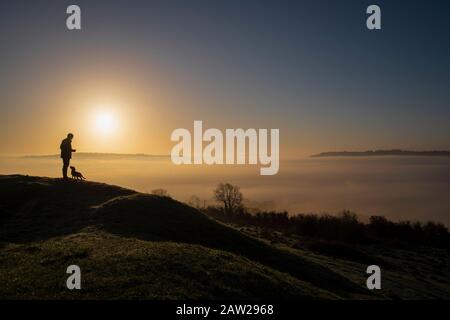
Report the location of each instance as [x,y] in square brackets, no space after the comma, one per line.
[344,227]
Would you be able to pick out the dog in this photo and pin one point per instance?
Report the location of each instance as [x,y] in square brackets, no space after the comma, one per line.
[76,175]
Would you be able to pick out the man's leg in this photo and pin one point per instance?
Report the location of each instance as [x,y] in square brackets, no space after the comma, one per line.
[66,162]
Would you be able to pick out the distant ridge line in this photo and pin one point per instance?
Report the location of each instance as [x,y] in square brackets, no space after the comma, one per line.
[100,155]
[393,152]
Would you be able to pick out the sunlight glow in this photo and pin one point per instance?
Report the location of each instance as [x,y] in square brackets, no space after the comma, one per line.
[105,122]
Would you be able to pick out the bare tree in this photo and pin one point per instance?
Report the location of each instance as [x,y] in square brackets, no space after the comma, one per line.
[161,193]
[230,196]
[194,201]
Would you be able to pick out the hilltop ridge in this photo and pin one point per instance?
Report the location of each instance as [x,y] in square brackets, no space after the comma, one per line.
[132,245]
[93,224]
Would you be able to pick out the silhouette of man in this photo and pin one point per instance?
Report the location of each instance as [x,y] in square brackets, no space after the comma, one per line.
[66,153]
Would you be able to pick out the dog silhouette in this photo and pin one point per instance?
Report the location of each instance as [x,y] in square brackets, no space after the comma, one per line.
[76,175]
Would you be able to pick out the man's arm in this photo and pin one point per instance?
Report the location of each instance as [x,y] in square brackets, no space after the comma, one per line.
[70,147]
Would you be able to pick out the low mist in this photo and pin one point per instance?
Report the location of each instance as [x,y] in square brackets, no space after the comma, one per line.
[400,188]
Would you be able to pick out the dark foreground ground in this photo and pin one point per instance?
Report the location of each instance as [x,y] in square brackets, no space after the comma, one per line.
[133,245]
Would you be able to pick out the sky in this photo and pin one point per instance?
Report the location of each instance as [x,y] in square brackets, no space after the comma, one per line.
[140,69]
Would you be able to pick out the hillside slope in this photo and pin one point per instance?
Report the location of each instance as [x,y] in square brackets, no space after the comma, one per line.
[138,245]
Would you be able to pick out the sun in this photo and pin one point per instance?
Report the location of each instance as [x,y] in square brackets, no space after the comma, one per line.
[105,122]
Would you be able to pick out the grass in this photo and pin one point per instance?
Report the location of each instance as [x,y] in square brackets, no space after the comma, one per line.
[407,273]
[121,268]
[138,246]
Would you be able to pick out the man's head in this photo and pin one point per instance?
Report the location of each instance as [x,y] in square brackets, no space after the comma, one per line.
[70,136]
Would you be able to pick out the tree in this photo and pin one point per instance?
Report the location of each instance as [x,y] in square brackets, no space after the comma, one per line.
[161,193]
[194,201]
[230,196]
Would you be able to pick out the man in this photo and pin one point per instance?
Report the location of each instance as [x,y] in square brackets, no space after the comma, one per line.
[66,153]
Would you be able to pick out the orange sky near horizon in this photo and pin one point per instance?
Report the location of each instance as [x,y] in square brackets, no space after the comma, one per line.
[146,108]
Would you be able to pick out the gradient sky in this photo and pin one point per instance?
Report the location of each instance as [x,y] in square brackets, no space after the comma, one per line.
[309,68]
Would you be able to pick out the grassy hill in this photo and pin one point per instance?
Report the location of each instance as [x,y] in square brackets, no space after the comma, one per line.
[134,245]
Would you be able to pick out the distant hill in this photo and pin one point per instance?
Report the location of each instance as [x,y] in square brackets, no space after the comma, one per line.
[394,152]
[104,156]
